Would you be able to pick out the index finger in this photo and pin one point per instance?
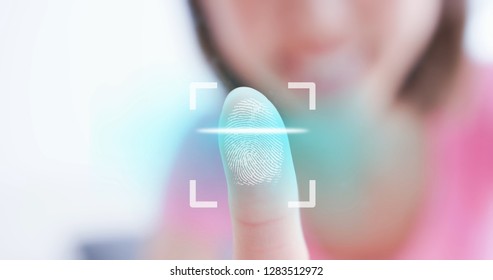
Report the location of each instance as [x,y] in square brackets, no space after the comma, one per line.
[261,179]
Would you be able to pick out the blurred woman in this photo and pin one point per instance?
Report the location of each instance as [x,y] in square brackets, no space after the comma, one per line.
[401,142]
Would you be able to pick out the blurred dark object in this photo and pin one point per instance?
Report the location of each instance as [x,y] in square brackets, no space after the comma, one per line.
[126,248]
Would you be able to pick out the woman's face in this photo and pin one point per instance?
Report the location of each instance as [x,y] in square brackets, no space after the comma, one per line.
[337,44]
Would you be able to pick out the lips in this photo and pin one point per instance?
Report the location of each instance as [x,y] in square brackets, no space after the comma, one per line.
[332,71]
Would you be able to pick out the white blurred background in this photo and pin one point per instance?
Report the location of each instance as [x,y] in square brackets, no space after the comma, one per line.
[93,102]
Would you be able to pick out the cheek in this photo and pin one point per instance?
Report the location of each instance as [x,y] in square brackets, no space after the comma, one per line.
[415,22]
[405,29]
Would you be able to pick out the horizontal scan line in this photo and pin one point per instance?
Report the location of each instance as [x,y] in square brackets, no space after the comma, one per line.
[252,130]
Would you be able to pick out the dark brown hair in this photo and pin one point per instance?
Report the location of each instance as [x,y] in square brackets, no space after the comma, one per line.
[425,84]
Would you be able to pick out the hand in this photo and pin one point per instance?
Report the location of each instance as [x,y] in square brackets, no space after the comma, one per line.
[261,179]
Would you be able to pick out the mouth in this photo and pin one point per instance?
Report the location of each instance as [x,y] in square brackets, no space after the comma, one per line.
[332,71]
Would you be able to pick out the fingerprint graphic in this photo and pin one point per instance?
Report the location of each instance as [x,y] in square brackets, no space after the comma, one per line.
[253,158]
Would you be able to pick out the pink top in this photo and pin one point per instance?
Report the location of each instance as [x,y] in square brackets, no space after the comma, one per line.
[457,219]
[457,222]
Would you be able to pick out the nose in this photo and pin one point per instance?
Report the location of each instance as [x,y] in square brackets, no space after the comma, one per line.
[319,20]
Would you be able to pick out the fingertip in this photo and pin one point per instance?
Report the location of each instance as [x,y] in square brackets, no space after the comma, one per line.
[261,178]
